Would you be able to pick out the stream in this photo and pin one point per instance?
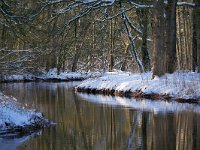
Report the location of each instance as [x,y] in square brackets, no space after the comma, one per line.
[97,122]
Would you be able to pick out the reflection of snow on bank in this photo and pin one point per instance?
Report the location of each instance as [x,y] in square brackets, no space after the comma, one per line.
[143,104]
[14,143]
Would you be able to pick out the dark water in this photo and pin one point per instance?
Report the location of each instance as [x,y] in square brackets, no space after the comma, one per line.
[89,122]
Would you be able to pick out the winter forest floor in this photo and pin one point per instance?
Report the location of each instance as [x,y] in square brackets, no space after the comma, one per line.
[180,87]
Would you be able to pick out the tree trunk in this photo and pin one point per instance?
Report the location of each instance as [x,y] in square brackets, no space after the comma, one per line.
[124,62]
[111,52]
[76,55]
[75,61]
[144,50]
[171,36]
[164,34]
[143,15]
[196,37]
[159,39]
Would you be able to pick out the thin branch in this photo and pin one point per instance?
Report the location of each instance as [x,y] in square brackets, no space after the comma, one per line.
[136,5]
[131,24]
[190,4]
[114,16]
[134,52]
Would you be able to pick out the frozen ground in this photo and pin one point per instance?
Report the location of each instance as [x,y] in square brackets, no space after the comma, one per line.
[15,119]
[177,85]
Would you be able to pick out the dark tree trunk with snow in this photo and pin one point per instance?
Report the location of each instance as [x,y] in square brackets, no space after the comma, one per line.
[196,37]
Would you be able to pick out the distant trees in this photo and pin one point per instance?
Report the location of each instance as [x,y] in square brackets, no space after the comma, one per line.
[135,35]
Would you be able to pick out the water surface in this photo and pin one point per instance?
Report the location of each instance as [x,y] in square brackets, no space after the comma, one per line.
[96,122]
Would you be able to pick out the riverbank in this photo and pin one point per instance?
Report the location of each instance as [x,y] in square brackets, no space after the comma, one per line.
[49,76]
[16,120]
[180,87]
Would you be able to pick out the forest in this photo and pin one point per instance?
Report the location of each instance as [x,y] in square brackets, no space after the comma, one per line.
[161,36]
[100,74]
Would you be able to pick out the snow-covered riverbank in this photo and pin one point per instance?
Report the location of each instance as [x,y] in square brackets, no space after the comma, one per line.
[182,87]
[17,120]
[50,76]
[14,118]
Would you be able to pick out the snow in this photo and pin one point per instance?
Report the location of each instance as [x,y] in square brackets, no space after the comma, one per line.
[13,115]
[142,104]
[177,85]
[50,75]
[186,4]
[17,77]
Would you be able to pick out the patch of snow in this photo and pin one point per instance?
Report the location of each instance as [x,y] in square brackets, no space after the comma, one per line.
[17,77]
[178,85]
[12,115]
[51,74]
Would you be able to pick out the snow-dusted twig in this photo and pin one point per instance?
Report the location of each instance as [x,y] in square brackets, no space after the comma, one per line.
[136,5]
[190,4]
[131,24]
